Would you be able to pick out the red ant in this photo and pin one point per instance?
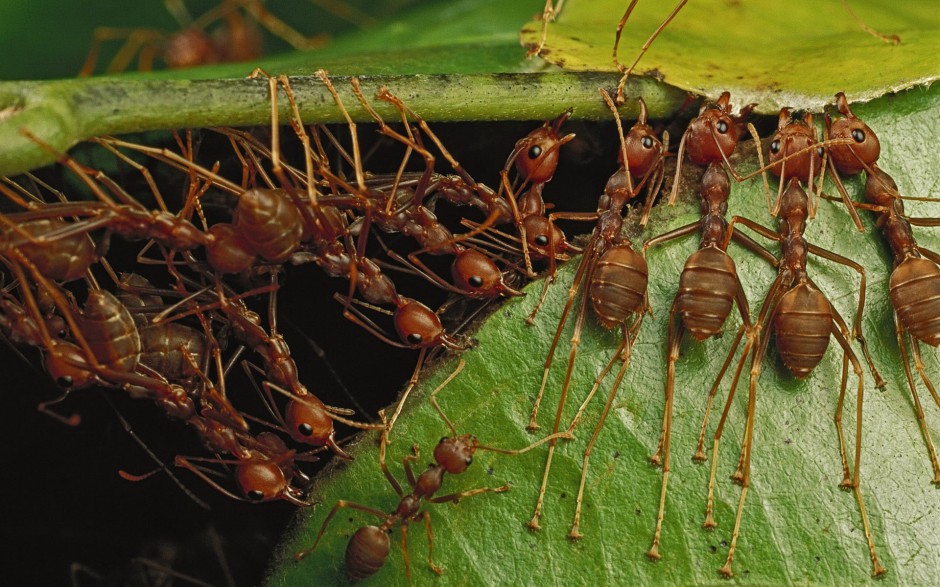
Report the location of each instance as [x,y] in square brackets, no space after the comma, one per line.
[369,546]
[237,39]
[615,276]
[914,283]
[709,284]
[803,320]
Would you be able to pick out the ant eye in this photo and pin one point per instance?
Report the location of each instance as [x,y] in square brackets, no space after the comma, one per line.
[443,440]
[255,495]
[819,151]
[535,152]
[722,126]
[415,338]
[775,147]
[65,381]
[469,461]
[476,281]
[858,135]
[305,429]
[647,142]
[541,240]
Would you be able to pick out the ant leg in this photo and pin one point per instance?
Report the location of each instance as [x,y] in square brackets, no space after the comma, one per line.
[281,29]
[427,526]
[857,324]
[625,356]
[746,465]
[700,455]
[410,385]
[842,336]
[674,338]
[623,21]
[548,15]
[581,276]
[918,408]
[847,482]
[455,497]
[404,550]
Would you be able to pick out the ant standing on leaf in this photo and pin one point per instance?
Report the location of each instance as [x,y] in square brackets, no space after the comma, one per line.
[369,546]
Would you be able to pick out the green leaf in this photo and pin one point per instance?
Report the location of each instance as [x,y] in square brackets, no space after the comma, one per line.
[756,50]
[798,527]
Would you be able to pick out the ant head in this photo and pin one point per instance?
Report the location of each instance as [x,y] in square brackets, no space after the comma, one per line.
[881,189]
[536,154]
[455,454]
[419,327]
[261,480]
[644,149]
[713,135]
[63,364]
[308,422]
[478,275]
[864,149]
[540,234]
[795,142]
[189,48]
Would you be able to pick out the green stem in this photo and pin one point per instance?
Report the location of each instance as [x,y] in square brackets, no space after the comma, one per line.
[65,112]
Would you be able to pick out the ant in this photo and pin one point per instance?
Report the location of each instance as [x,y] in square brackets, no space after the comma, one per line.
[803,321]
[236,39]
[914,283]
[369,546]
[615,277]
[709,284]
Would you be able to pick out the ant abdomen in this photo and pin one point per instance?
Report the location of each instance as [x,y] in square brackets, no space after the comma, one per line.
[366,552]
[111,332]
[227,252]
[803,326]
[706,291]
[189,48]
[619,285]
[270,222]
[165,347]
[63,259]
[915,293]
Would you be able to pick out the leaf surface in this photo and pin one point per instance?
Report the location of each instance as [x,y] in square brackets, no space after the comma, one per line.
[798,527]
[756,50]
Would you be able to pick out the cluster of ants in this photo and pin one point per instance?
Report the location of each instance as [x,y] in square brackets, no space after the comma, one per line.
[175,343]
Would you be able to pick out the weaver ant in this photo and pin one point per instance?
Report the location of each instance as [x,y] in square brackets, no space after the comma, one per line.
[615,277]
[237,38]
[914,283]
[369,546]
[803,321]
[709,283]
